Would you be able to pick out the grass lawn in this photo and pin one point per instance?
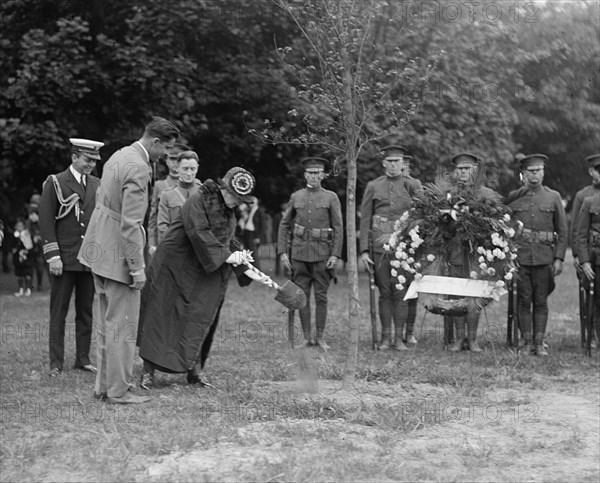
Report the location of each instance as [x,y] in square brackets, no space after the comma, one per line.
[279,414]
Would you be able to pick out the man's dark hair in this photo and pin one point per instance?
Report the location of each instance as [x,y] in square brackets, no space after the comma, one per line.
[187,155]
[162,129]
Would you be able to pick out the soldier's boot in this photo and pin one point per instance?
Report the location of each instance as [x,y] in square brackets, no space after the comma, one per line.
[459,326]
[398,342]
[525,345]
[386,340]
[472,334]
[398,330]
[540,348]
[305,323]
[410,321]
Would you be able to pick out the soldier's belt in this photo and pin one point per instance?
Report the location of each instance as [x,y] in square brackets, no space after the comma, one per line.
[314,233]
[383,224]
[537,236]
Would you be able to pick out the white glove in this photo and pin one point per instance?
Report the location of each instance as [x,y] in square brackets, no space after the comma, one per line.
[237,258]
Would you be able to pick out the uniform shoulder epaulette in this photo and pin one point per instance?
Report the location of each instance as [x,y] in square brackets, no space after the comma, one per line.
[169,188]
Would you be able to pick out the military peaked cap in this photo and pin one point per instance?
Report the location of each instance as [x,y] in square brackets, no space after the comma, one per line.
[533,160]
[89,148]
[315,163]
[463,159]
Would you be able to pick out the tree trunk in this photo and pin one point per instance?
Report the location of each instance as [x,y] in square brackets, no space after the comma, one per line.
[351,136]
[353,302]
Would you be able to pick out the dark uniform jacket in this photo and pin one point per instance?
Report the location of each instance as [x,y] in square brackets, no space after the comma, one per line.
[63,237]
[577,202]
[169,206]
[544,234]
[159,187]
[587,232]
[314,220]
[384,201]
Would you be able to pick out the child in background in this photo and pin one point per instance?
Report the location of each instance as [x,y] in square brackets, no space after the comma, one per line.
[23,258]
[39,264]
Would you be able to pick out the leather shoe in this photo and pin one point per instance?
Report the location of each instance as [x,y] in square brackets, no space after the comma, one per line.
[411,339]
[399,346]
[385,344]
[456,347]
[194,380]
[526,349]
[87,368]
[322,344]
[474,346]
[540,350]
[147,381]
[100,395]
[55,372]
[128,398]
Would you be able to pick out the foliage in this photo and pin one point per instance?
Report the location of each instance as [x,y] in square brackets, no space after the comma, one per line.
[466,104]
[560,67]
[99,68]
[345,80]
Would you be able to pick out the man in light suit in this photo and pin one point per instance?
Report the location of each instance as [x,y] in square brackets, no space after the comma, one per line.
[66,206]
[113,248]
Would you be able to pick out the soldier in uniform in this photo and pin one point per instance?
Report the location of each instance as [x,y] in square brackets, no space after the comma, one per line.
[542,246]
[466,166]
[384,201]
[173,198]
[313,222]
[159,186]
[590,190]
[587,242]
[68,200]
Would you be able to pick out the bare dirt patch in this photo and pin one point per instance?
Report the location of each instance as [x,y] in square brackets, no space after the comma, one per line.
[506,435]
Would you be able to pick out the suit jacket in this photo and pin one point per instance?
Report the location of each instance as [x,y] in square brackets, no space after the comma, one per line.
[114,243]
[63,237]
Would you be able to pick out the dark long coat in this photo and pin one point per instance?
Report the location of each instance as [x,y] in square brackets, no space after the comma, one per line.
[187,281]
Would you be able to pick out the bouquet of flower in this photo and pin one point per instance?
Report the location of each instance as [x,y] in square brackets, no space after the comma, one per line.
[454,225]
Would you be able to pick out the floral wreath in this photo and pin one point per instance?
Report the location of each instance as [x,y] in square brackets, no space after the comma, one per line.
[452,219]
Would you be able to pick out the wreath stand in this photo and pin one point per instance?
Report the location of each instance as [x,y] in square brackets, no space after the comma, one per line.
[452,297]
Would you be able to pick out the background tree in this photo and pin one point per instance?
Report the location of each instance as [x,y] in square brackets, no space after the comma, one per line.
[100,69]
[561,115]
[348,85]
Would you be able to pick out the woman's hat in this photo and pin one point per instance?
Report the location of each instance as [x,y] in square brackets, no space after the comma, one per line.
[240,183]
